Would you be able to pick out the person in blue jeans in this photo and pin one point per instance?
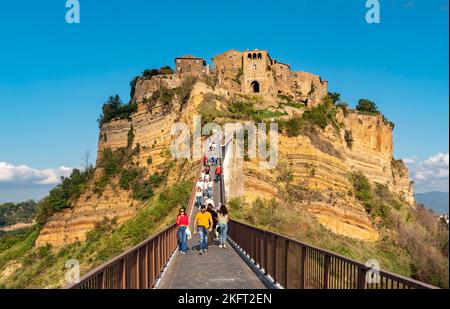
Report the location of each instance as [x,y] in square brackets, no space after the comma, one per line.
[202,225]
[183,224]
[223,219]
[199,197]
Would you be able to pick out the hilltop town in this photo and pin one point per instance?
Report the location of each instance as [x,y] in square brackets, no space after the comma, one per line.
[252,72]
[337,184]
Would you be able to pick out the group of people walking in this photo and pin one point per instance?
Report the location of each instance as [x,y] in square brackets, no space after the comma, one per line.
[211,222]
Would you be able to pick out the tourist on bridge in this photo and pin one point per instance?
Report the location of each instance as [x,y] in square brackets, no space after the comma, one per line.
[210,188]
[213,213]
[218,173]
[208,202]
[200,183]
[198,197]
[223,219]
[205,160]
[202,225]
[183,225]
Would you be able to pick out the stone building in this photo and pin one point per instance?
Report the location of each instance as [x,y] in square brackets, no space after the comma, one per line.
[255,72]
[189,64]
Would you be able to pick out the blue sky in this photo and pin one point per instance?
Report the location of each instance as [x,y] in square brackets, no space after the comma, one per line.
[54,76]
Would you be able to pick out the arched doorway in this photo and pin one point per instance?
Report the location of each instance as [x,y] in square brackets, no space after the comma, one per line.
[255,86]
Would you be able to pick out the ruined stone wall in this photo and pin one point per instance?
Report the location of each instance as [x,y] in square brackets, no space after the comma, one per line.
[302,85]
[195,66]
[227,65]
[282,72]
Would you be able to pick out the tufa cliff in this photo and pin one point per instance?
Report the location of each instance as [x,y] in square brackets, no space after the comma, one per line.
[319,160]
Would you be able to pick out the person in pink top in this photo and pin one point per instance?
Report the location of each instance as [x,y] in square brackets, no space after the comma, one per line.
[183,224]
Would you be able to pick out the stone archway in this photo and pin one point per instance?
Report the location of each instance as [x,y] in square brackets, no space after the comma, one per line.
[255,86]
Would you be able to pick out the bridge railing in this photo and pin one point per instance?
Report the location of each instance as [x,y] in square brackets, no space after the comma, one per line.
[295,265]
[139,267]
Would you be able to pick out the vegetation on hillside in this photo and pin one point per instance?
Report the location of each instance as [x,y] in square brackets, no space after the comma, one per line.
[12,213]
[64,195]
[405,234]
[289,101]
[416,231]
[114,108]
[165,96]
[117,164]
[45,267]
[10,238]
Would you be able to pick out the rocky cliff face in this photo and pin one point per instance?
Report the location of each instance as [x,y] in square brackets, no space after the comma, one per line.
[320,163]
[151,128]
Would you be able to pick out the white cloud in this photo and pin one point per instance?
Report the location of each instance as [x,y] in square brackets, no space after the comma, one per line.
[10,173]
[432,174]
[439,160]
[410,160]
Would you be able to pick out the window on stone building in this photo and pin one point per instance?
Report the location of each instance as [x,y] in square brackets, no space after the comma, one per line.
[259,56]
[254,67]
[249,56]
[254,56]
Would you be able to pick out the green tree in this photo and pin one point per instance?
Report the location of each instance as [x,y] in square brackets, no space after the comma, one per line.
[367,106]
[334,96]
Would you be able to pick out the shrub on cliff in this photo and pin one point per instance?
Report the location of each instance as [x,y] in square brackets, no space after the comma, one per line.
[367,107]
[127,177]
[64,195]
[115,109]
[184,90]
[149,73]
[362,189]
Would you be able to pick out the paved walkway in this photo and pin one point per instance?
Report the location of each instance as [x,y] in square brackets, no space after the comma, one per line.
[219,269]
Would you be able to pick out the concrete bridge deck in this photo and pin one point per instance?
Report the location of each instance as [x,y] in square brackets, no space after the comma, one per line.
[219,269]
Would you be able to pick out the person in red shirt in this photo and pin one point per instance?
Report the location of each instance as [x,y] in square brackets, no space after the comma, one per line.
[218,173]
[183,224]
[205,159]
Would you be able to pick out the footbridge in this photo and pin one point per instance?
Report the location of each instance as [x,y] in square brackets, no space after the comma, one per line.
[254,259]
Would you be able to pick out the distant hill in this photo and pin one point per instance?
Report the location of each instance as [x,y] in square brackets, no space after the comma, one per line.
[437,201]
[12,213]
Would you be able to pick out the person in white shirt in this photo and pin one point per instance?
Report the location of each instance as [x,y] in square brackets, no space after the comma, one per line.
[210,188]
[203,175]
[200,184]
[205,188]
[209,201]
[198,197]
[206,177]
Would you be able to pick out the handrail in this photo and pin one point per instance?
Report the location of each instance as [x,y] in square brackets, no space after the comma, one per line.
[294,264]
[138,267]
